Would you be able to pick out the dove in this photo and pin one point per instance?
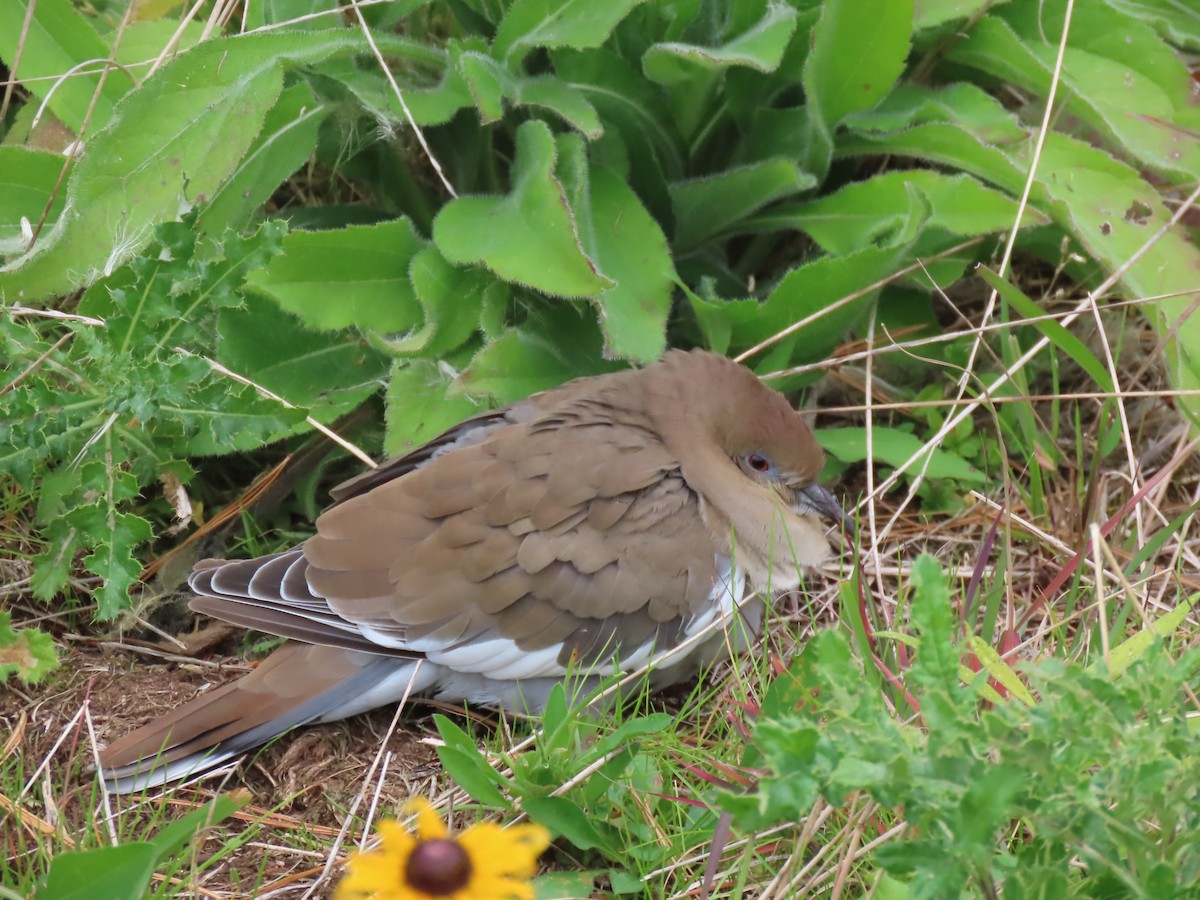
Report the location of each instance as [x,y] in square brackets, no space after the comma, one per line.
[620,521]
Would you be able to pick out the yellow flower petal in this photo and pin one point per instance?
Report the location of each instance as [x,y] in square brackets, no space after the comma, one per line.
[429,824]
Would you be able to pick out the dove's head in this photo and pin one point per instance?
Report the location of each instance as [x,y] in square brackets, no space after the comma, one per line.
[752,459]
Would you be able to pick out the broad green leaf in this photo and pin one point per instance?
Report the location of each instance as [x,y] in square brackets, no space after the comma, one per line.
[355,276]
[451,299]
[871,210]
[566,819]
[1178,22]
[433,96]
[58,40]
[1115,214]
[144,41]
[691,73]
[421,405]
[527,237]
[27,653]
[177,139]
[564,886]
[1136,105]
[858,52]
[327,373]
[961,103]
[174,836]
[893,447]
[558,344]
[27,179]
[760,47]
[706,207]
[115,873]
[491,84]
[1068,343]
[928,13]
[943,144]
[287,140]
[807,290]
[579,24]
[626,243]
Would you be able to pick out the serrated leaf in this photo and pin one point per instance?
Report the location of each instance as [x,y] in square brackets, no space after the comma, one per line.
[528,236]
[115,561]
[28,653]
[353,276]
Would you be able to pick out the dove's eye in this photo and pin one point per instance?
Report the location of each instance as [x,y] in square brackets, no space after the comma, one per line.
[756,462]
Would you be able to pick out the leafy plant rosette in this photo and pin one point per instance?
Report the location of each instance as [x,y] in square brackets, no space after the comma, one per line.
[1084,786]
[609,178]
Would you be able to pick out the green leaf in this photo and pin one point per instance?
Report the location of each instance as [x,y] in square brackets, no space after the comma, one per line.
[893,447]
[1114,212]
[943,144]
[691,73]
[579,24]
[566,819]
[760,47]
[858,52]
[564,886]
[874,210]
[287,140]
[115,873]
[1178,22]
[326,373]
[490,84]
[469,768]
[995,667]
[528,236]
[28,653]
[421,405]
[706,207]
[626,243]
[928,13]
[933,623]
[965,105]
[115,560]
[175,835]
[804,291]
[27,179]
[1133,648]
[1114,66]
[354,276]
[177,139]
[1058,335]
[560,344]
[58,39]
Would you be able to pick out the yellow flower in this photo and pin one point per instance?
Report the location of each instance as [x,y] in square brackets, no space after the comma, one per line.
[485,862]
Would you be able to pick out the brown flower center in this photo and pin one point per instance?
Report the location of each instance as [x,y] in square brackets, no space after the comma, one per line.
[438,868]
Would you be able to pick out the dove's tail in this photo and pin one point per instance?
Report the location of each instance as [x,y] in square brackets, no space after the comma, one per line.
[296,684]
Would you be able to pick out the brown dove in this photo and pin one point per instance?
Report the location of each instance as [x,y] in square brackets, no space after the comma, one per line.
[593,528]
